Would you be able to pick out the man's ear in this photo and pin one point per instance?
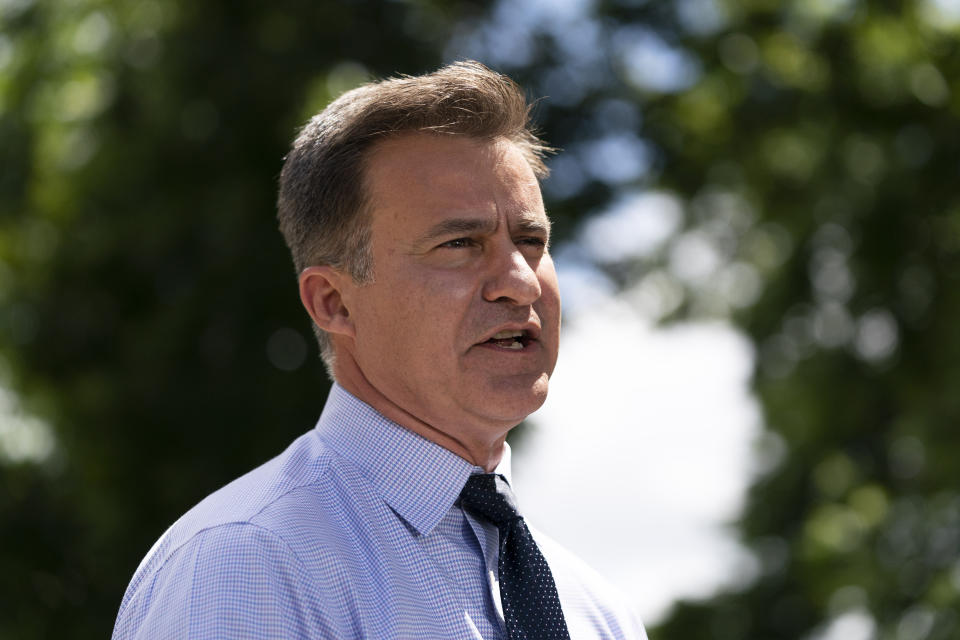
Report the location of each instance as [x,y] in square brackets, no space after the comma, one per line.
[321,289]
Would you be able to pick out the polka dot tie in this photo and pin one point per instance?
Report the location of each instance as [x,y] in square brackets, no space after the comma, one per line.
[531,606]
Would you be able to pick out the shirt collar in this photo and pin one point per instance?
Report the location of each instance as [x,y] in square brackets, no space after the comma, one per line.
[419,479]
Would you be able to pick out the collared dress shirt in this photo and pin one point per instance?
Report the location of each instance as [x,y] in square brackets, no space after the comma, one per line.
[353,532]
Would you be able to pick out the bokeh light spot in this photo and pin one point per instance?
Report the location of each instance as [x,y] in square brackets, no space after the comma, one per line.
[286,349]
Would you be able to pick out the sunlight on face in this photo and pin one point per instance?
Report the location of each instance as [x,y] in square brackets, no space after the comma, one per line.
[461,325]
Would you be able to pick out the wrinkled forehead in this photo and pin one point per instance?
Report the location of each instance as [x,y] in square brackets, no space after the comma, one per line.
[450,171]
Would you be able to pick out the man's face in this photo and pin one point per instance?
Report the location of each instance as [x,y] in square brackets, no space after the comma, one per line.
[461,325]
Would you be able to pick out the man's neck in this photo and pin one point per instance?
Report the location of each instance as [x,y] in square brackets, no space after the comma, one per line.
[486,455]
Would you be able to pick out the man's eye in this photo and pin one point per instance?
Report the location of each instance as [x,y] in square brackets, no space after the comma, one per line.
[532,241]
[458,243]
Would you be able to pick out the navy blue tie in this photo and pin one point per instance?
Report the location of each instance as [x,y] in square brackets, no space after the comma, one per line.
[531,605]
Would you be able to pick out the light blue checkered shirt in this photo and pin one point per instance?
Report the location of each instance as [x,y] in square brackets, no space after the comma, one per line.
[352,532]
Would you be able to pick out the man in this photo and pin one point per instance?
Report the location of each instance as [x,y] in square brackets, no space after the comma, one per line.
[413,212]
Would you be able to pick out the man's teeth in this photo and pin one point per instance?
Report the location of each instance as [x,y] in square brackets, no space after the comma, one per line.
[509,339]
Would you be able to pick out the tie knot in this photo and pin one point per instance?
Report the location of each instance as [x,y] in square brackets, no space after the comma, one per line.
[489,496]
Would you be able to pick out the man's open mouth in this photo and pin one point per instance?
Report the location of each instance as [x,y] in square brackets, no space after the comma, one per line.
[515,340]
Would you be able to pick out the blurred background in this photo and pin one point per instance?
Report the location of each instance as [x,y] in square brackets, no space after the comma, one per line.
[758,224]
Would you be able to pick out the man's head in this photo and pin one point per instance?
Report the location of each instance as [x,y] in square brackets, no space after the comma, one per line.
[323,204]
[413,211]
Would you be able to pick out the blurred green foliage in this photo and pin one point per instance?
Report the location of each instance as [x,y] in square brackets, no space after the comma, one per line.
[156,354]
[833,126]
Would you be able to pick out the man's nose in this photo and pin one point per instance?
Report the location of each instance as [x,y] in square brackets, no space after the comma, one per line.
[512,278]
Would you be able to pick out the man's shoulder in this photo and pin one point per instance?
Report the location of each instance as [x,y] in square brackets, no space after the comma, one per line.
[584,590]
[307,482]
[230,577]
[281,522]
[302,470]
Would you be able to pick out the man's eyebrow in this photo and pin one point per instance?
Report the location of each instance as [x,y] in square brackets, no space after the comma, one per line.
[527,223]
[533,224]
[454,226]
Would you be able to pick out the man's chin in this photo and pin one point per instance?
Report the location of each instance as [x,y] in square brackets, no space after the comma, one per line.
[513,400]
